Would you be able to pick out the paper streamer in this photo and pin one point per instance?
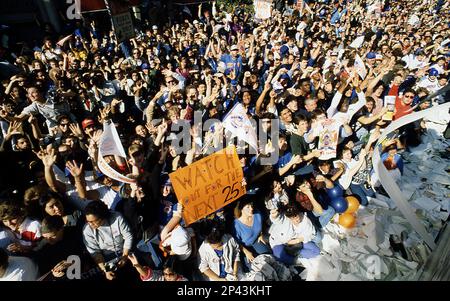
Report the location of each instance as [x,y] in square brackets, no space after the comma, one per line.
[389,184]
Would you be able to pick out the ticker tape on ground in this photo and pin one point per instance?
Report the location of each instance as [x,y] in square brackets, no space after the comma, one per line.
[390,185]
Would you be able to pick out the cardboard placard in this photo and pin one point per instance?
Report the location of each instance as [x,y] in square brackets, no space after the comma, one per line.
[209,184]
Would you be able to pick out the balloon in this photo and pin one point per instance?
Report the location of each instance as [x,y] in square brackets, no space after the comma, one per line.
[339,204]
[335,192]
[353,204]
[347,220]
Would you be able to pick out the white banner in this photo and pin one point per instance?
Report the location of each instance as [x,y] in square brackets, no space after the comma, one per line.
[110,172]
[237,122]
[110,145]
[390,185]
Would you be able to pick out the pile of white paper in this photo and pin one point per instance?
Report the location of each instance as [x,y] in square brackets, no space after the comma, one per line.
[364,252]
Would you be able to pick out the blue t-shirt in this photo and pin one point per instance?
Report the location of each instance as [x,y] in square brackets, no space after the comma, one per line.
[232,64]
[283,160]
[166,208]
[248,235]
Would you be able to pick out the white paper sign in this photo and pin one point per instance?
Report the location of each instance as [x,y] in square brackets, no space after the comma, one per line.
[263,9]
[360,67]
[357,42]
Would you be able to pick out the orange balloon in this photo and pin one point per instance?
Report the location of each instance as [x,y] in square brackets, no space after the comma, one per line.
[347,220]
[353,204]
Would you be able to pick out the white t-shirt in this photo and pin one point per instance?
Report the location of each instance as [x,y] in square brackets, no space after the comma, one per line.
[305,229]
[281,231]
[431,86]
[344,180]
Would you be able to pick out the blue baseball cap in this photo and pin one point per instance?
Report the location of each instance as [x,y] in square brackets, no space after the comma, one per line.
[284,50]
[371,55]
[145,66]
[433,72]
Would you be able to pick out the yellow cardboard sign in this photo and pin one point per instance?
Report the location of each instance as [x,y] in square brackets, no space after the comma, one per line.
[209,184]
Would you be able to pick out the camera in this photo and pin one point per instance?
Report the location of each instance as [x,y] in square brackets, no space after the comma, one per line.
[111,267]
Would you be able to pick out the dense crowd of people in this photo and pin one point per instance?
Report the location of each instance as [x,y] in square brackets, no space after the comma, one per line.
[301,68]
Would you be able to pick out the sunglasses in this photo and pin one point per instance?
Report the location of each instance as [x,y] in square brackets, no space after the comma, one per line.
[409,96]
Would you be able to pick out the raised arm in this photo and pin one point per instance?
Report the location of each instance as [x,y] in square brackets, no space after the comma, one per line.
[80,183]
[49,159]
[336,99]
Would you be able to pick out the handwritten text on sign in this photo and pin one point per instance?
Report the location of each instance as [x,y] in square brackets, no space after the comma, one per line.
[209,184]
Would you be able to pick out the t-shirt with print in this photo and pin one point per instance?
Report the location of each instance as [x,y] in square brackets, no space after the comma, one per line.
[29,232]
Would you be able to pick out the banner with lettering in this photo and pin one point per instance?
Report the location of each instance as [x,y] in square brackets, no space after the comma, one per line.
[209,184]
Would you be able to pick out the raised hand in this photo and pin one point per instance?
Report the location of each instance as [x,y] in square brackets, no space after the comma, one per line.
[58,270]
[75,170]
[150,127]
[76,130]
[15,248]
[97,136]
[320,178]
[105,113]
[48,157]
[162,128]
[31,119]
[14,128]
[3,113]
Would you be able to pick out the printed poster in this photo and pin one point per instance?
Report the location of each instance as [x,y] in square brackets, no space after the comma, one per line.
[389,103]
[328,139]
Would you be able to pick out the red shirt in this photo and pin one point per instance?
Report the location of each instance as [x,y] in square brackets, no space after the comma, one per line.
[401,109]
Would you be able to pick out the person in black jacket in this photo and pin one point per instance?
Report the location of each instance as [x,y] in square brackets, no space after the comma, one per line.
[62,242]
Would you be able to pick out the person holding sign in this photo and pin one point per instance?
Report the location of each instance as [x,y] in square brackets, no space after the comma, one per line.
[389,105]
